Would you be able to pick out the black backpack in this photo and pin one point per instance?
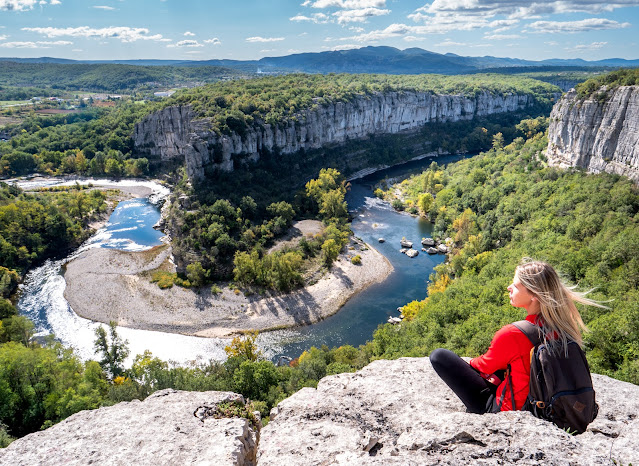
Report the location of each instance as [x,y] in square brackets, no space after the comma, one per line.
[560,385]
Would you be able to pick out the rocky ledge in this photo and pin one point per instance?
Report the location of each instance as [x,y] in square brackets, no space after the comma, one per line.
[600,133]
[390,412]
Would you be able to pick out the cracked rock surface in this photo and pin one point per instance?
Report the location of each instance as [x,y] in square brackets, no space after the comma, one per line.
[164,429]
[597,134]
[400,412]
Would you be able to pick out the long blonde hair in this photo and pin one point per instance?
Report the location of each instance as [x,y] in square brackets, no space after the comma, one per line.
[560,316]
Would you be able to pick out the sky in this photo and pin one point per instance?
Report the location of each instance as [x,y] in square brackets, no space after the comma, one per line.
[252,29]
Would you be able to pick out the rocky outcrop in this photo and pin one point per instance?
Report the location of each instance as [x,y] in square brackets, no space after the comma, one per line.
[168,428]
[600,133]
[176,132]
[400,412]
[389,413]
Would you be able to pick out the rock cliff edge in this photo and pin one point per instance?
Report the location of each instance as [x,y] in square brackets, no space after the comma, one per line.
[390,412]
[599,133]
[177,132]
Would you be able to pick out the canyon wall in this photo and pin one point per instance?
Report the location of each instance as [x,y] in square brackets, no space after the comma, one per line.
[599,133]
[176,132]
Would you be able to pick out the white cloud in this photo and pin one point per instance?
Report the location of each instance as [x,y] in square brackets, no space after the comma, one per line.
[104,7]
[264,39]
[358,16]
[77,50]
[522,8]
[317,18]
[502,36]
[123,33]
[34,45]
[592,46]
[55,2]
[17,5]
[186,43]
[451,43]
[214,41]
[193,51]
[342,47]
[412,38]
[3,37]
[585,25]
[346,4]
[189,33]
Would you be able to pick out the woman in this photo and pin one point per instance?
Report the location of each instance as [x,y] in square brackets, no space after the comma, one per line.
[550,304]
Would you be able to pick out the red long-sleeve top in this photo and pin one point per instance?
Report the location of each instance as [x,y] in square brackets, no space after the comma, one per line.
[509,346]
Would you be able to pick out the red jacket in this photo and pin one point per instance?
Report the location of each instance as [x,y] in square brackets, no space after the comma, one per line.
[509,346]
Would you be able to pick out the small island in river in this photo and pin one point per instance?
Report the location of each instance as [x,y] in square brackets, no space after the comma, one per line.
[110,285]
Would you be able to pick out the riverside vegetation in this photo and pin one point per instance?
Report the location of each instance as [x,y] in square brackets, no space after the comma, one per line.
[497,207]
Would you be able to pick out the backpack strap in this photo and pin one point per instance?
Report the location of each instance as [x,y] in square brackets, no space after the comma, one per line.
[509,382]
[532,331]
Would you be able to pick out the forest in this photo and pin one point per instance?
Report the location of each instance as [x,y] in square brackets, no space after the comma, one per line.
[106,77]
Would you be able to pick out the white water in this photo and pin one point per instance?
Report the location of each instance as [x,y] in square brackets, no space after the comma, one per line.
[42,300]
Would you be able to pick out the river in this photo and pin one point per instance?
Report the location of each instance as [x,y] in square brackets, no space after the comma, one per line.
[130,228]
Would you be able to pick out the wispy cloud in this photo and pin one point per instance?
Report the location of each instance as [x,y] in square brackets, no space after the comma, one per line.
[123,33]
[347,4]
[104,7]
[358,16]
[34,45]
[317,18]
[264,39]
[186,43]
[585,25]
[521,8]
[189,34]
[23,5]
[502,36]
[337,48]
[214,41]
[592,46]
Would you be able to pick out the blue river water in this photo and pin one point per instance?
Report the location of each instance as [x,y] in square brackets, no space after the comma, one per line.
[130,228]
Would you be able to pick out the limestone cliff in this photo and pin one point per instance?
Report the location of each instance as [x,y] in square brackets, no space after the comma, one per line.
[599,134]
[390,412]
[176,132]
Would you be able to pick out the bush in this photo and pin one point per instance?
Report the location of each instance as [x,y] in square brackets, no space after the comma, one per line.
[356,260]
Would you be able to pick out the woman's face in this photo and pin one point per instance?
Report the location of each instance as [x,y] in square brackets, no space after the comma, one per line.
[520,296]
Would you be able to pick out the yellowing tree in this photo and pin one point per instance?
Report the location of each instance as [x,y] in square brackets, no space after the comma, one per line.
[244,347]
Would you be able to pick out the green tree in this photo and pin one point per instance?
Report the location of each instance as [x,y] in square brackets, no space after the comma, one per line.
[113,351]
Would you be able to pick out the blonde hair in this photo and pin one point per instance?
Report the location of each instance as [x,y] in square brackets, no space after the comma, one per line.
[560,316]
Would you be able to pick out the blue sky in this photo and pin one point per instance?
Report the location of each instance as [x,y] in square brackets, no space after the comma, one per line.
[251,29]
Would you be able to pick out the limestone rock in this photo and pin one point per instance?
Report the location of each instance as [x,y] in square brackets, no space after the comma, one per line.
[176,132]
[165,429]
[400,412]
[599,135]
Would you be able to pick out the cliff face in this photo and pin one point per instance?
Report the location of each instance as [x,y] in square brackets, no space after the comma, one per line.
[176,132]
[597,135]
[390,412]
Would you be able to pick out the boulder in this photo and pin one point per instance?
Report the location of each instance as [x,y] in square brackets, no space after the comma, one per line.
[406,244]
[168,427]
[432,251]
[400,412]
[442,248]
[428,242]
[412,253]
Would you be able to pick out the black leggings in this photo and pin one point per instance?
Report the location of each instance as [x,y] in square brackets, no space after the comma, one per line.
[475,392]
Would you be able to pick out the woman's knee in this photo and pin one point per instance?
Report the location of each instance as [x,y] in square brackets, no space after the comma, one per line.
[440,357]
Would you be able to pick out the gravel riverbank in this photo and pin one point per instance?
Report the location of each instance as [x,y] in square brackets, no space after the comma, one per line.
[106,284]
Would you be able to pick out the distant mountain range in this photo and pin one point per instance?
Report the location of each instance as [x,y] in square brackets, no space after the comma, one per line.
[364,60]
